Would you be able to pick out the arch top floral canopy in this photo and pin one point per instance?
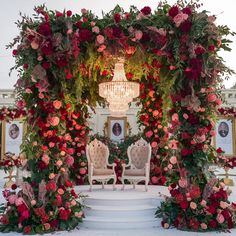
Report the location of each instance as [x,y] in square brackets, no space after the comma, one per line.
[62,57]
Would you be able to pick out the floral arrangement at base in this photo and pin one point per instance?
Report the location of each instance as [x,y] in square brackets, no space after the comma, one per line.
[188,209]
[47,208]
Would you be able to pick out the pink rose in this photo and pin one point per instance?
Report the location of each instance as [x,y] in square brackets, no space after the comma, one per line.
[175,117]
[149,134]
[21,104]
[34,44]
[57,104]
[96,29]
[203,226]
[100,39]
[69,160]
[180,18]
[52,176]
[82,171]
[183,183]
[54,121]
[154,180]
[19,201]
[154,144]
[193,205]
[138,34]
[155,113]
[220,218]
[101,48]
[59,163]
[185,116]
[45,159]
[173,160]
[12,198]
[84,11]
[60,191]
[223,205]
[218,102]
[211,97]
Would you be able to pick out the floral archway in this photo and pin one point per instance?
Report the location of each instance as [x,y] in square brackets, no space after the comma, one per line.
[61,58]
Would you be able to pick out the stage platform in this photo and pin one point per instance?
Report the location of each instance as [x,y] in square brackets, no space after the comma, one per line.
[121,209]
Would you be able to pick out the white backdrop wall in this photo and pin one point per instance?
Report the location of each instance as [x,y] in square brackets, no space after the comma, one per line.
[98,119]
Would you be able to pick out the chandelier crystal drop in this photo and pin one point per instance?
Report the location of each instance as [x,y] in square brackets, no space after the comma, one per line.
[119,92]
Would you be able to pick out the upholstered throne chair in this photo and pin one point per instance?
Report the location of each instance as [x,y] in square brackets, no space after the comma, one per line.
[138,168]
[97,155]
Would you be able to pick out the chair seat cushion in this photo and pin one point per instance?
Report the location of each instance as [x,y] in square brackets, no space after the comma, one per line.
[134,172]
[103,172]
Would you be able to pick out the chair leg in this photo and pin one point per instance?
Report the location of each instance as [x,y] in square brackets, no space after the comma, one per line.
[90,189]
[123,183]
[146,185]
[114,184]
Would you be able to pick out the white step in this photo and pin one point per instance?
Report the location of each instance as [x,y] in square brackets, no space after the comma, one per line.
[122,223]
[129,209]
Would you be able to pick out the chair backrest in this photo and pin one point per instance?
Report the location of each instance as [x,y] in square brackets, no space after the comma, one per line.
[139,154]
[97,153]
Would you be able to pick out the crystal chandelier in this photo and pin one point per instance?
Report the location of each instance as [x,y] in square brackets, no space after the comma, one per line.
[119,92]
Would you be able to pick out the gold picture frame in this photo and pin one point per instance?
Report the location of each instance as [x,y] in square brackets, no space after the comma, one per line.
[225,137]
[117,128]
[14,136]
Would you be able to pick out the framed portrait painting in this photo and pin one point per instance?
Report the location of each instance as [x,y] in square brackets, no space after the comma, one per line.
[12,136]
[225,135]
[117,128]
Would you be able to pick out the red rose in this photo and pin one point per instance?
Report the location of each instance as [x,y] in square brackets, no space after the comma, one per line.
[211,48]
[173,11]
[117,18]
[185,135]
[226,214]
[186,26]
[53,223]
[199,50]
[14,52]
[127,15]
[64,214]
[230,224]
[187,11]
[211,209]
[195,192]
[46,65]
[58,201]
[185,152]
[212,224]
[85,35]
[58,14]
[14,186]
[47,48]
[61,62]
[69,13]
[194,224]
[42,165]
[73,193]
[68,184]
[45,29]
[116,32]
[219,150]
[21,208]
[146,11]
[184,205]
[51,186]
[27,229]
[179,198]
